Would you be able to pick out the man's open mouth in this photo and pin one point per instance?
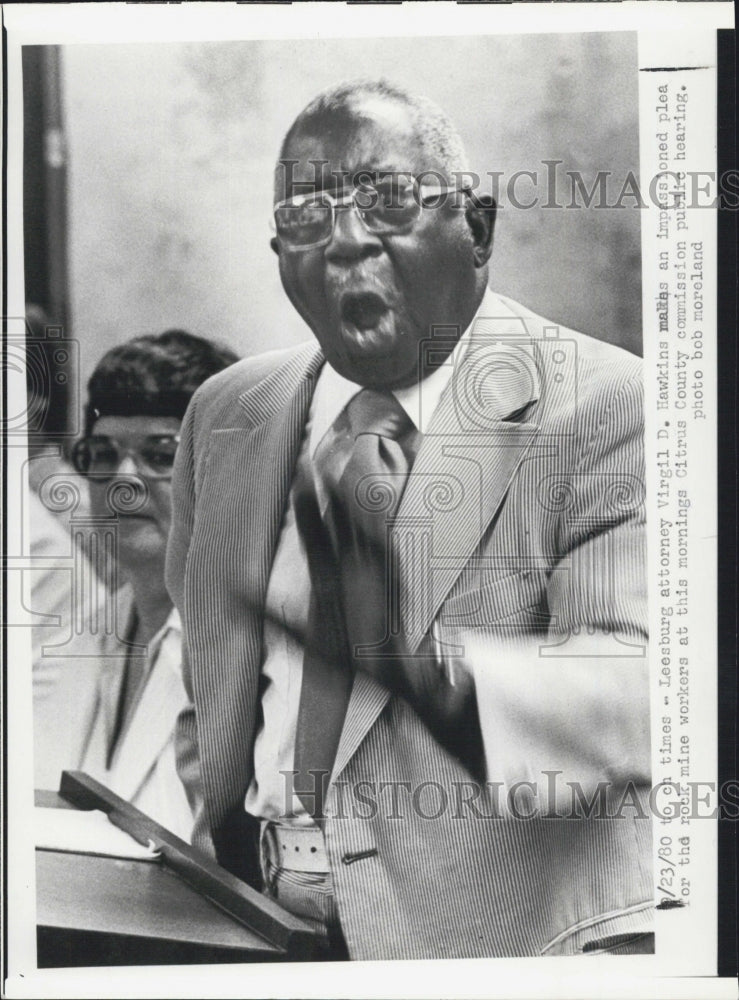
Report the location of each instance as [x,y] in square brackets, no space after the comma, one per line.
[363,310]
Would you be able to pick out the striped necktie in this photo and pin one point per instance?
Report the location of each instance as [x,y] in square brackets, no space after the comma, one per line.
[362,464]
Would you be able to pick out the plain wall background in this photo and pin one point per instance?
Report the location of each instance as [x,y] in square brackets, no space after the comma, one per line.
[171,149]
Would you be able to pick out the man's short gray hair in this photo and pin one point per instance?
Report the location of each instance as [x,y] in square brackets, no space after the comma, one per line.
[435,132]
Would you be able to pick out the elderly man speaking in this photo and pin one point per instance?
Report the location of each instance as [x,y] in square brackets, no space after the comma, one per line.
[409,560]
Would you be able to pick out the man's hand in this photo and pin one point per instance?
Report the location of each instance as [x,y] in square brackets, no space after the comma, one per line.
[585,717]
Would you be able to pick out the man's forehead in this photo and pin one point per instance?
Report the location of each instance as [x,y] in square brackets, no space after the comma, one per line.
[376,135]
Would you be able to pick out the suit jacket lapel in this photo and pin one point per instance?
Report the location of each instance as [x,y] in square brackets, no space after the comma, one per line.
[152,721]
[276,409]
[466,461]
[367,700]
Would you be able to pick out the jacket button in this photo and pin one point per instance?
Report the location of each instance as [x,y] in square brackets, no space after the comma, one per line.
[351,857]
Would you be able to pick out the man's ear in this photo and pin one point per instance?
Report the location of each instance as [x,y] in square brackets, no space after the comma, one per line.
[275,246]
[480,214]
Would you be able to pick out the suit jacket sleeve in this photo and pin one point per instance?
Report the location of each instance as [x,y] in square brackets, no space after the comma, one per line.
[576,700]
[600,583]
[183,512]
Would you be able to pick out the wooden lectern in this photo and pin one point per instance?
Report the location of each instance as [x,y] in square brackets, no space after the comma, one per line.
[182,908]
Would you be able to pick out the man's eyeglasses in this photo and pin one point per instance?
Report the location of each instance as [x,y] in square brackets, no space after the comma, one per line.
[389,206]
[101,456]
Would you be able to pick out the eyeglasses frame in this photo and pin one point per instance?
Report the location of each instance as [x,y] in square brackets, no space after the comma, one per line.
[134,453]
[349,198]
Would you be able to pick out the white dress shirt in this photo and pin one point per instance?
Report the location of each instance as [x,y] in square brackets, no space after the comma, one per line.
[288,593]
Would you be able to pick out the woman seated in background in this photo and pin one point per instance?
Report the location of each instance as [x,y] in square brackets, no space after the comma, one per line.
[137,397]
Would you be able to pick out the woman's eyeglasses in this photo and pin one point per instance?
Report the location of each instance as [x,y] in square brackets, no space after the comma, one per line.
[392,205]
[100,456]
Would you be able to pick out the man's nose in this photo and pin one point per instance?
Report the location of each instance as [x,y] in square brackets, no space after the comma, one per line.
[351,240]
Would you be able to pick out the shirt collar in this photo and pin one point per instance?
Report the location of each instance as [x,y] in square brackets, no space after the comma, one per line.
[420,400]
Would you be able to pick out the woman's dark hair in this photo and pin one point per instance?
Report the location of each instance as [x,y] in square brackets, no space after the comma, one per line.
[153,375]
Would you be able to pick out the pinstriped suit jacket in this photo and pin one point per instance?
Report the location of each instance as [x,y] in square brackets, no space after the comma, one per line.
[521,545]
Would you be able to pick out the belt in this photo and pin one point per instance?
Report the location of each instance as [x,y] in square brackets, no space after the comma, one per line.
[300,848]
